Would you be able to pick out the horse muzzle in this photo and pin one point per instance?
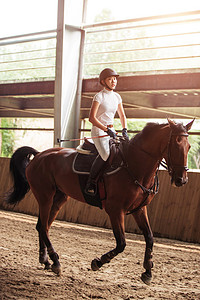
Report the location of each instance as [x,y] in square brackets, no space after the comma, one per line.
[179,181]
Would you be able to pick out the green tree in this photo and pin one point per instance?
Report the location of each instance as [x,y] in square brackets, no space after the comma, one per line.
[8,137]
[194,153]
[28,60]
[120,46]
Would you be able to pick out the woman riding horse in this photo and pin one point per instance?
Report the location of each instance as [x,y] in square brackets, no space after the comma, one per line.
[51,178]
[104,106]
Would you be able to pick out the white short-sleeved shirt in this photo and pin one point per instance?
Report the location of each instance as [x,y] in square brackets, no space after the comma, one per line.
[109,101]
[108,105]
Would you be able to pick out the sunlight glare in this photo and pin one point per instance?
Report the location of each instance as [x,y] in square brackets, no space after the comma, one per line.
[128,9]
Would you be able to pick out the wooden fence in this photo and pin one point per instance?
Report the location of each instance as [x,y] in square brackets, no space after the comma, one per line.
[174,212]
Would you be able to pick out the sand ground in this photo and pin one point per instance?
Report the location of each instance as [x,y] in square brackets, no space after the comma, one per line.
[176,273]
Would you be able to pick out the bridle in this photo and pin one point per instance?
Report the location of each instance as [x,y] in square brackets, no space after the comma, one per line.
[169,166]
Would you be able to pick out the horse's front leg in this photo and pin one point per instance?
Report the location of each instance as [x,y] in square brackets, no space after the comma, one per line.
[117,222]
[142,220]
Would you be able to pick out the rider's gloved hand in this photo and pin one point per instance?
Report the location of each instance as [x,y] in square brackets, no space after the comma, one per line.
[111,133]
[125,134]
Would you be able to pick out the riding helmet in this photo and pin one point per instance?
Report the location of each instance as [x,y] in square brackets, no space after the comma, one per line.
[107,73]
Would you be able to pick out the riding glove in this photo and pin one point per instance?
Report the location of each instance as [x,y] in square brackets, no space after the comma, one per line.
[111,133]
[125,134]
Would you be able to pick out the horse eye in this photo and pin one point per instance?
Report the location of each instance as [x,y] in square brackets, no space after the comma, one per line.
[179,138]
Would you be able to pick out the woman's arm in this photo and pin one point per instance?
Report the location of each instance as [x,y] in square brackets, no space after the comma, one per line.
[92,116]
[122,116]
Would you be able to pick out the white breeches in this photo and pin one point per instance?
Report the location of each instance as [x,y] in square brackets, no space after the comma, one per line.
[102,144]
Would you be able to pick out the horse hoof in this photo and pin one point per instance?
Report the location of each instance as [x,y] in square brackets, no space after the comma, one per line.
[146,278]
[96,264]
[56,269]
[47,266]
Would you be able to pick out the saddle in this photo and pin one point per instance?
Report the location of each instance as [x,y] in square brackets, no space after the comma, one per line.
[86,154]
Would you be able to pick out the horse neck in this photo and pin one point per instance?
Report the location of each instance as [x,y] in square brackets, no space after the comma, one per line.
[150,150]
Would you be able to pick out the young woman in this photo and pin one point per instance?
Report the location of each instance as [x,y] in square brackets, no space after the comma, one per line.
[104,106]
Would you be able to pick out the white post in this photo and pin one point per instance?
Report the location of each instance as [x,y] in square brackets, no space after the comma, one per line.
[68,83]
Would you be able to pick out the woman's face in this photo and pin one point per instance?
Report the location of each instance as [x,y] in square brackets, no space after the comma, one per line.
[111,82]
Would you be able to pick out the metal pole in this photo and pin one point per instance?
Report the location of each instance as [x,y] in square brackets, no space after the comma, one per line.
[80,71]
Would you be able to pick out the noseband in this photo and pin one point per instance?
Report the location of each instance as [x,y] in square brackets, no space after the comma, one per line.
[169,165]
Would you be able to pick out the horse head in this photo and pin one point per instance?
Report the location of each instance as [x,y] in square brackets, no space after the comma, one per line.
[177,152]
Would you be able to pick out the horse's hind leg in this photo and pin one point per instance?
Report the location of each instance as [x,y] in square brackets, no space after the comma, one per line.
[58,200]
[117,221]
[45,201]
[44,215]
[43,258]
[142,220]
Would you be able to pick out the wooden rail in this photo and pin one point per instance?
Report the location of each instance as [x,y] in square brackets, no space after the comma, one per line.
[173,213]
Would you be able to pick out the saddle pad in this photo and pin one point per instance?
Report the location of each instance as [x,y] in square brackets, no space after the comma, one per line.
[82,163]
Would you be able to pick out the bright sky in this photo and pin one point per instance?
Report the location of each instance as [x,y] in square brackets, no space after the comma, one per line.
[26,16]
[122,9]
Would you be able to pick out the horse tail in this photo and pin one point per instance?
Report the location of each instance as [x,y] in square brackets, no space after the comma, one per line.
[18,163]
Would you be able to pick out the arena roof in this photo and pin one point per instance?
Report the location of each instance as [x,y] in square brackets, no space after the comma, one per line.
[144,96]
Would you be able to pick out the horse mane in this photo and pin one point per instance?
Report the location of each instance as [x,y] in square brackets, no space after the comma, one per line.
[146,131]
[151,126]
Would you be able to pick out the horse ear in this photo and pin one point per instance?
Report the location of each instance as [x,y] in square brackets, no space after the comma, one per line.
[189,125]
[172,124]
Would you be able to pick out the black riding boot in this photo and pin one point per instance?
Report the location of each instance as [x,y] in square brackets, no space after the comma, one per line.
[91,186]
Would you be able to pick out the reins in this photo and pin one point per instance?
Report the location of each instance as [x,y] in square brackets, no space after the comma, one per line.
[155,187]
[153,190]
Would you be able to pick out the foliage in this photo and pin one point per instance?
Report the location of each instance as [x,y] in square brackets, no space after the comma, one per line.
[28,60]
[8,138]
[126,48]
[132,125]
[194,153]
[36,60]
[135,126]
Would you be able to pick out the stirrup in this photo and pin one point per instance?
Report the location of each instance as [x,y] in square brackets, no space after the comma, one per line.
[91,188]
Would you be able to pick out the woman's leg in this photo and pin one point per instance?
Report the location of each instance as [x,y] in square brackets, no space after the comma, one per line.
[97,167]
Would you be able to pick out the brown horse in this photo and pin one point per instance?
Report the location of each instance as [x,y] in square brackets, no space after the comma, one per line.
[49,175]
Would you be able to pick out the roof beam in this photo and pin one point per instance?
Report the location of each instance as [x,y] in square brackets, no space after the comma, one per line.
[27,88]
[180,81]
[27,103]
[5,113]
